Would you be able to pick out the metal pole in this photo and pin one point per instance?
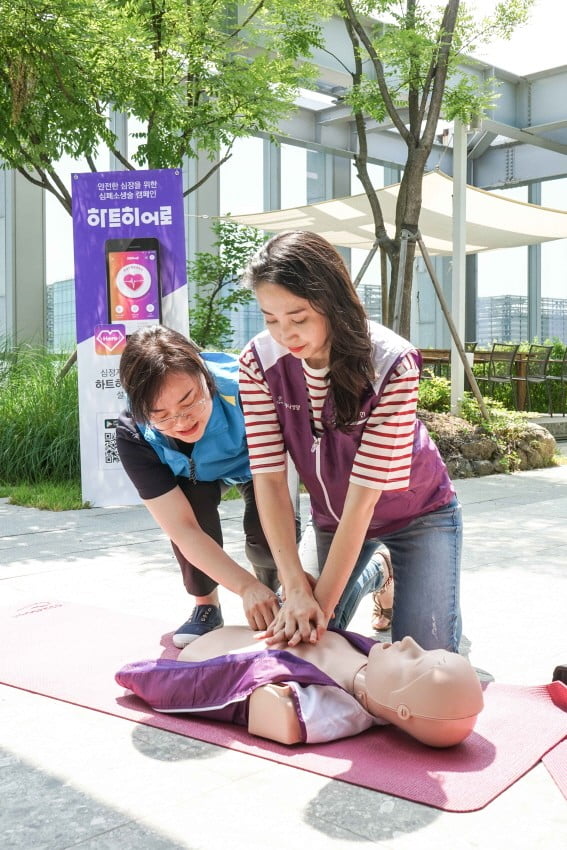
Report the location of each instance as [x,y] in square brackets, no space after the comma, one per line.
[384,285]
[454,333]
[366,263]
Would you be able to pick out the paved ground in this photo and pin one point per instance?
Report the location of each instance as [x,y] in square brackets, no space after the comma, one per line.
[72,777]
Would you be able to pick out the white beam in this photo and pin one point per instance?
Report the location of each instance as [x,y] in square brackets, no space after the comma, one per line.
[522,136]
[546,128]
[459,258]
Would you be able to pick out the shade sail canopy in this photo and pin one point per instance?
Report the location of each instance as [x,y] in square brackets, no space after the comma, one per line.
[492,221]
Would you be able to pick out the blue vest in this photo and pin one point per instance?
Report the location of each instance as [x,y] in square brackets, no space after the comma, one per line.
[222,453]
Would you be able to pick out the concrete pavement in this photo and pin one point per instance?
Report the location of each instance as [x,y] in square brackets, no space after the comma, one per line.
[72,777]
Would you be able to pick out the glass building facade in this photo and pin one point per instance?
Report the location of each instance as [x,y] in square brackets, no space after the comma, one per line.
[60,319]
[261,175]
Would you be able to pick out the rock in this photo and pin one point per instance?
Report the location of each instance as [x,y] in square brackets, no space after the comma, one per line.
[483,448]
[468,450]
[459,467]
[540,442]
[482,467]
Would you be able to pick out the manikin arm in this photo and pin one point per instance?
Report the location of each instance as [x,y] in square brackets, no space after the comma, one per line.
[272,714]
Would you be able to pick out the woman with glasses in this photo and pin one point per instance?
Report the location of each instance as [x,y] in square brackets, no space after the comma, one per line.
[182,444]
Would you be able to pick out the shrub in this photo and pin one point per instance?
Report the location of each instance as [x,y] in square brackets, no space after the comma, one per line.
[435,394]
[218,293]
[39,417]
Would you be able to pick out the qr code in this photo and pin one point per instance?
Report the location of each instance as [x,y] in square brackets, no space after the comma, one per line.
[111,457]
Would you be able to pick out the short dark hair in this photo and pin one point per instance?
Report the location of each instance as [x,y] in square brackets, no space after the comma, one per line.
[150,355]
[310,267]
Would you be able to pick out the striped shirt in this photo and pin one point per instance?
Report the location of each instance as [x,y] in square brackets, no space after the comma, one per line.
[383,459]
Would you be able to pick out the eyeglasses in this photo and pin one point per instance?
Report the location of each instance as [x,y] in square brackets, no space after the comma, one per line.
[193,409]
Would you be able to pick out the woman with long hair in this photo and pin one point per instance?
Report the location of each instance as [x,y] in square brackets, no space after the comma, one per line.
[339,394]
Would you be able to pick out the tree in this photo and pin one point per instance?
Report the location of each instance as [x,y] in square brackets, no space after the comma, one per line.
[195,74]
[216,278]
[416,76]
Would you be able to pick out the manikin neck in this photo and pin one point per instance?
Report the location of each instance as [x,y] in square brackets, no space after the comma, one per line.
[359,687]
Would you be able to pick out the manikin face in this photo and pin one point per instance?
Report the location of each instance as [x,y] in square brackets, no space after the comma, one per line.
[436,684]
[295,324]
[401,663]
[183,407]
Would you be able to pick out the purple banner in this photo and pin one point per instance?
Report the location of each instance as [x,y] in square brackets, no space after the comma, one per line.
[129,246]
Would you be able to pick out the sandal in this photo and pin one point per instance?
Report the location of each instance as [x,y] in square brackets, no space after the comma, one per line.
[382,617]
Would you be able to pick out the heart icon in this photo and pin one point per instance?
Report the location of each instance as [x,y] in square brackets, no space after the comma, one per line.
[110,339]
[133,281]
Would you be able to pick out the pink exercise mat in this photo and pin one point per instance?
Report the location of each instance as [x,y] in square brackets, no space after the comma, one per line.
[71,653]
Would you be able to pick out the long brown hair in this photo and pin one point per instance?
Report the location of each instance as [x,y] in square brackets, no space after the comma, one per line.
[150,355]
[309,267]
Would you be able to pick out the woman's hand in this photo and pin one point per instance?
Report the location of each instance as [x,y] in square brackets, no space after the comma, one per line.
[299,620]
[261,605]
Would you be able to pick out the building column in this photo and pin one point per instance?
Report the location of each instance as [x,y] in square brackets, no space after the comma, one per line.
[534,275]
[5,261]
[200,205]
[25,261]
[392,174]
[459,257]
[119,126]
[471,292]
[272,175]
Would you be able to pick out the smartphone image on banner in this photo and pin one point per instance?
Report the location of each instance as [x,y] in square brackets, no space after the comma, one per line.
[133,283]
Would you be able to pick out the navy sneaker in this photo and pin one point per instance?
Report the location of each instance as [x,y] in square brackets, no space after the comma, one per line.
[203,619]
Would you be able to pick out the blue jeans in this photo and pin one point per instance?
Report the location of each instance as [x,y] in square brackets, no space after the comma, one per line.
[426,559]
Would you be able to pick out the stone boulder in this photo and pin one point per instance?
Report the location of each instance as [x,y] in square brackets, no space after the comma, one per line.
[470,451]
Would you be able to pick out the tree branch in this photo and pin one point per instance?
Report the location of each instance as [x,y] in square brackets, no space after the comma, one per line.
[361,157]
[126,163]
[210,172]
[413,89]
[336,58]
[246,21]
[60,186]
[446,32]
[379,71]
[44,184]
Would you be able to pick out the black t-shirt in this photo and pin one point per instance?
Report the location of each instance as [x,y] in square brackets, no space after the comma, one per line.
[148,474]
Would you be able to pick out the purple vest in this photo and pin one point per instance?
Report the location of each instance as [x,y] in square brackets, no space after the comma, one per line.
[218,688]
[324,464]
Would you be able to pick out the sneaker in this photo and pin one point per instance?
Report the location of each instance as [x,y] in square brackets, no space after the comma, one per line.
[203,619]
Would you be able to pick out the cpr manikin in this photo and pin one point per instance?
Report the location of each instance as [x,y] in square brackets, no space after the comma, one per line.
[433,695]
[310,693]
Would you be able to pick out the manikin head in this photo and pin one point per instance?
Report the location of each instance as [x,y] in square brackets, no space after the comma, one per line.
[434,695]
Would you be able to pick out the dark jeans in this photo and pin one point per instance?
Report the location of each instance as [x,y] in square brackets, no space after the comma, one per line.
[204,497]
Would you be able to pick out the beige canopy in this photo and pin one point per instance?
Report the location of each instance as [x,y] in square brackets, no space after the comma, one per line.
[492,221]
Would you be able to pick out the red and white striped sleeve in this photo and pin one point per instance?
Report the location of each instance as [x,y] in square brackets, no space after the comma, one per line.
[383,459]
[263,433]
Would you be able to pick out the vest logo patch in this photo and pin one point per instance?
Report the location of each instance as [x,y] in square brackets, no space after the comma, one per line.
[280,400]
